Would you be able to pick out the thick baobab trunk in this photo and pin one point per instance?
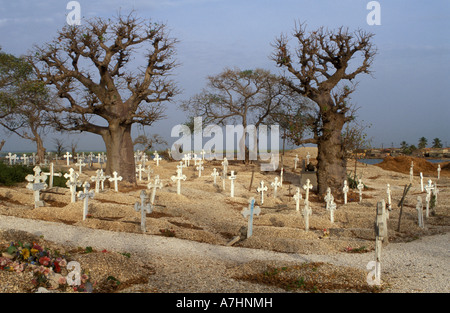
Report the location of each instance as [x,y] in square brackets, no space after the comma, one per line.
[331,167]
[120,153]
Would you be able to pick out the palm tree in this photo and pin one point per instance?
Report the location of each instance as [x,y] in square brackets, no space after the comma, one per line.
[422,143]
[437,143]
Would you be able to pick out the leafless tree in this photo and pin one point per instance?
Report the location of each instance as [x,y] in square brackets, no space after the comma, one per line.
[320,70]
[243,97]
[148,142]
[92,68]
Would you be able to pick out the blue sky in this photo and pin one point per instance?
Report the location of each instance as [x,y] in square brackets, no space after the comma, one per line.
[407,96]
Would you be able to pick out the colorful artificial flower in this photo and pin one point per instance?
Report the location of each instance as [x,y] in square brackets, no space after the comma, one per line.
[25,254]
[56,268]
[45,260]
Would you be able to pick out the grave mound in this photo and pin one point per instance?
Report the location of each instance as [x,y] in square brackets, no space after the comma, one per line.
[402,164]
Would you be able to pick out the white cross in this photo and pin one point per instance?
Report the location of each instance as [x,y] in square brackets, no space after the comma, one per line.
[439,171]
[214,174]
[328,198]
[178,178]
[196,159]
[232,178]
[421,182]
[380,233]
[80,164]
[307,187]
[203,154]
[86,195]
[261,189]
[139,170]
[297,197]
[99,158]
[345,190]
[332,208]
[97,180]
[25,159]
[411,172]
[388,191]
[180,166]
[308,156]
[144,207]
[36,183]
[307,212]
[435,191]
[16,158]
[33,158]
[296,159]
[250,211]
[115,179]
[91,157]
[51,174]
[281,177]
[428,189]
[144,158]
[10,157]
[148,171]
[72,183]
[102,178]
[185,159]
[67,156]
[156,184]
[189,158]
[419,208]
[275,186]
[225,166]
[360,188]
[200,168]
[157,158]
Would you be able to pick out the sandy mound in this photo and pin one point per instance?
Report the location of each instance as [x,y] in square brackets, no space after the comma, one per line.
[402,164]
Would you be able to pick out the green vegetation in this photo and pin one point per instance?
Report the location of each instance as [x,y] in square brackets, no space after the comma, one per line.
[11,175]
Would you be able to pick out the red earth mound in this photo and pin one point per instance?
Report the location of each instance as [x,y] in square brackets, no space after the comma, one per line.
[402,164]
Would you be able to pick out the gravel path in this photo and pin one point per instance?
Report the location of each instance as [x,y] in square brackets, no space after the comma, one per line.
[188,266]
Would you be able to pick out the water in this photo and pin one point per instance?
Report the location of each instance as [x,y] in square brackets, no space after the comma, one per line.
[376,161]
[370,161]
[438,160]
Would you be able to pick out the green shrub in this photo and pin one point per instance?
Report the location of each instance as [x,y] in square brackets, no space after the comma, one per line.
[11,175]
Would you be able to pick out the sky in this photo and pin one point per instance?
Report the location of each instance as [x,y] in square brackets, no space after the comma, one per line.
[406,97]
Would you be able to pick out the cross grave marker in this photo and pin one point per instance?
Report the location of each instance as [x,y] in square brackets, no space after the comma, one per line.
[250,211]
[275,184]
[261,190]
[178,178]
[115,179]
[144,207]
[36,183]
[297,197]
[85,195]
[232,179]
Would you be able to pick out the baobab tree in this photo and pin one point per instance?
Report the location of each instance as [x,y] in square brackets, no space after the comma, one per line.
[320,69]
[92,67]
